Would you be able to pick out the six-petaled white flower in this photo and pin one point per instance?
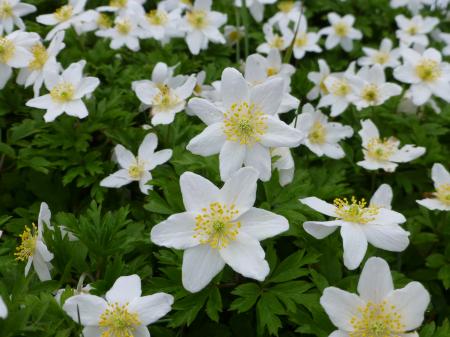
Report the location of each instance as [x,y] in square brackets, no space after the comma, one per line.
[414,31]
[340,32]
[385,56]
[11,12]
[441,198]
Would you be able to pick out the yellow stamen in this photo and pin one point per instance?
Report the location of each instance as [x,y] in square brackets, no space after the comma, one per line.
[412,30]
[341,29]
[286,6]
[118,321]
[277,42]
[356,211]
[381,58]
[103,21]
[6,10]
[197,19]
[382,149]
[123,26]
[301,40]
[40,57]
[64,13]
[62,92]
[135,171]
[371,93]
[234,36]
[118,3]
[166,98]
[7,49]
[428,70]
[443,193]
[340,87]
[272,71]
[28,243]
[317,135]
[157,17]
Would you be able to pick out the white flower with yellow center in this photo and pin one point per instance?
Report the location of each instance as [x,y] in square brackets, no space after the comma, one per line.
[318,78]
[164,94]
[15,53]
[441,198]
[360,224]
[44,60]
[161,23]
[338,91]
[125,32]
[288,14]
[201,25]
[384,153]
[137,168]
[279,40]
[369,87]
[413,5]
[415,30]
[219,226]
[11,12]
[234,34]
[256,7]
[379,310]
[427,74]
[66,16]
[66,91]
[305,42]
[321,137]
[32,248]
[121,7]
[245,127]
[122,313]
[340,32]
[385,56]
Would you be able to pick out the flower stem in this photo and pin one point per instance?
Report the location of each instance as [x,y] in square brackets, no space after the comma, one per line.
[244,14]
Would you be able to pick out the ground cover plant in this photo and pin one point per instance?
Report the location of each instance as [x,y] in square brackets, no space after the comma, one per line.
[224,168]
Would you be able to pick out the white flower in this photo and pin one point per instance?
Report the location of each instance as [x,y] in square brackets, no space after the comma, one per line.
[338,91]
[318,78]
[321,137]
[305,42]
[385,56]
[275,40]
[234,34]
[11,12]
[15,53]
[379,310]
[370,87]
[414,30]
[161,24]
[44,60]
[98,21]
[3,309]
[202,25]
[445,37]
[360,224]
[123,311]
[137,168]
[441,200]
[33,249]
[284,164]
[413,5]
[71,14]
[66,91]
[246,127]
[256,7]
[220,226]
[121,7]
[289,13]
[125,32]
[384,153]
[166,95]
[340,32]
[426,73]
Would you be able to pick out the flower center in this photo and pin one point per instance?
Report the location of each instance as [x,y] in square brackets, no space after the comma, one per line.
[341,29]
[356,211]
[370,93]
[103,21]
[215,225]
[117,321]
[64,13]
[340,88]
[412,30]
[381,58]
[272,71]
[286,6]
[197,19]
[428,70]
[443,193]
[382,149]
[118,3]
[7,49]
[165,98]
[277,42]
[135,171]
[62,92]
[317,134]
[377,320]
[123,27]
[301,40]
[28,245]
[234,36]
[157,17]
[244,123]
[6,10]
[40,57]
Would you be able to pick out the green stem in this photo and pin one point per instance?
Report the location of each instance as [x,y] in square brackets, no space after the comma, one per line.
[238,42]
[244,14]
[287,57]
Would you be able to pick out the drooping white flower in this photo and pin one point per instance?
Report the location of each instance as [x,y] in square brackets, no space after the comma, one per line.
[379,310]
[3,309]
[415,30]
[15,53]
[137,168]
[413,5]
[33,248]
[360,224]
[384,153]
[445,37]
[284,163]
[125,32]
[166,95]
[66,91]
[245,127]
[44,60]
[305,42]
[427,74]
[318,78]
[385,56]
[256,7]
[161,23]
[68,15]
[234,34]
[321,137]
[275,40]
[11,12]
[219,226]
[441,200]
[340,32]
[201,25]
[369,87]
[123,311]
[121,7]
[98,21]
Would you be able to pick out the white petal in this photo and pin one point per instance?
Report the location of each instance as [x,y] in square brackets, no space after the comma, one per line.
[440,175]
[382,197]
[41,267]
[319,206]
[124,157]
[86,86]
[117,179]
[205,110]
[279,134]
[262,224]
[240,189]
[355,245]
[44,216]
[152,307]
[76,108]
[231,158]
[375,282]
[321,229]
[234,88]
[433,204]
[92,331]
[267,96]
[143,180]
[368,131]
[194,41]
[3,309]
[210,141]
[176,232]
[197,192]
[158,158]
[388,237]
[88,307]
[125,290]
[387,216]
[258,157]
[146,92]
[148,146]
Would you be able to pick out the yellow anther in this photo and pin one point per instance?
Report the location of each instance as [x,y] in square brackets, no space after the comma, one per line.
[6,10]
[64,13]
[286,6]
[380,57]
[62,92]
[103,21]
[123,26]
[197,19]
[340,87]
[428,70]
[28,243]
[118,321]
[382,149]
[135,171]
[301,40]
[341,29]
[7,49]
[371,93]
[40,57]
[356,211]
[157,17]
[277,42]
[118,3]
[443,193]
[317,134]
